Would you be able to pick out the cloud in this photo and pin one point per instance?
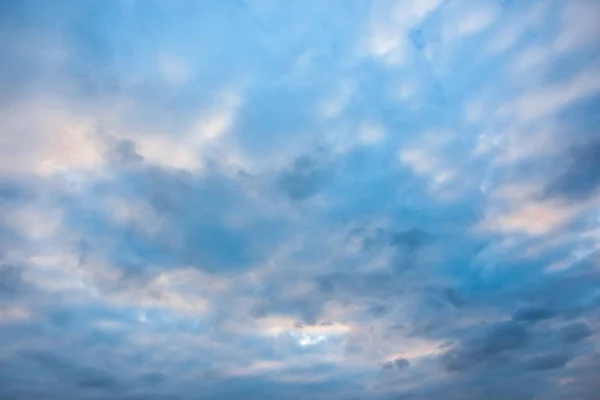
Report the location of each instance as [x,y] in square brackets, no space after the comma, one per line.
[547,361]
[533,314]
[306,176]
[80,376]
[576,332]
[390,26]
[401,363]
[495,340]
[508,34]
[474,20]
[580,177]
[547,100]
[315,200]
[11,280]
[577,27]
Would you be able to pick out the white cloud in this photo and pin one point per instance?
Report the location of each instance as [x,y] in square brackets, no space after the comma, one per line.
[579,25]
[175,70]
[518,208]
[520,142]
[35,221]
[390,24]
[475,21]
[407,90]
[532,217]
[531,59]
[586,245]
[414,348]
[370,134]
[12,313]
[510,32]
[546,100]
[473,111]
[427,158]
[506,38]
[186,150]
[334,105]
[304,333]
[420,160]
[44,137]
[409,13]
[467,18]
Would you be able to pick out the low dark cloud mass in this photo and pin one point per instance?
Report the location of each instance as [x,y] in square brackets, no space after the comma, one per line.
[533,314]
[401,363]
[316,200]
[307,175]
[576,332]
[492,342]
[547,361]
[71,373]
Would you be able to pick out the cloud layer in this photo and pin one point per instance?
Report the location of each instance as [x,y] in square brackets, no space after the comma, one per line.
[299,200]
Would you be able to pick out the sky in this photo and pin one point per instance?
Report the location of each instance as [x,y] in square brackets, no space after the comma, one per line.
[303,199]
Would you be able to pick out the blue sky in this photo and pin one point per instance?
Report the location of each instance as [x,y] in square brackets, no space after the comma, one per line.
[258,199]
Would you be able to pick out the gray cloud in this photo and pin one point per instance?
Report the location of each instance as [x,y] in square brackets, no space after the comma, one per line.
[395,251]
[120,151]
[307,175]
[412,239]
[493,341]
[79,375]
[575,332]
[10,280]
[401,363]
[548,361]
[533,314]
[580,177]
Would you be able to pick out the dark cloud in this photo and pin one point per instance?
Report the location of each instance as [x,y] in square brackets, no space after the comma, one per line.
[307,175]
[81,376]
[384,285]
[153,378]
[581,175]
[10,280]
[192,225]
[493,341]
[124,152]
[401,363]
[547,362]
[534,314]
[453,297]
[117,151]
[412,239]
[575,332]
[14,191]
[379,309]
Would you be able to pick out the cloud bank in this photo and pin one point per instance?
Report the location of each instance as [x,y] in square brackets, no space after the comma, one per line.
[299,200]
